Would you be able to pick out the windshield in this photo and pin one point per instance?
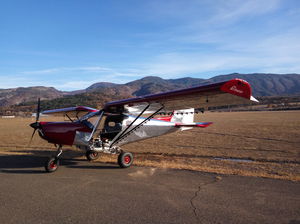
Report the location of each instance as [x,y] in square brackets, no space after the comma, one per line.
[91,115]
[91,120]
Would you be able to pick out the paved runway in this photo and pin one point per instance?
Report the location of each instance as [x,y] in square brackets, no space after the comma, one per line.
[84,192]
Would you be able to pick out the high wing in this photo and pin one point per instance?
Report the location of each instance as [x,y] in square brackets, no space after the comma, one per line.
[70,111]
[232,92]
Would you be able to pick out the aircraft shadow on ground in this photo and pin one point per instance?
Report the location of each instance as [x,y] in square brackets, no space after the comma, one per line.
[34,163]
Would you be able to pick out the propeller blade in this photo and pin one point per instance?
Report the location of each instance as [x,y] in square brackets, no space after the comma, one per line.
[32,137]
[36,124]
[38,110]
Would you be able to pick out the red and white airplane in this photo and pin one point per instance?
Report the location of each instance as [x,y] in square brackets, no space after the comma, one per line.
[134,119]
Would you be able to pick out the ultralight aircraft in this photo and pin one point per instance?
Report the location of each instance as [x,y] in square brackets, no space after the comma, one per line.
[124,121]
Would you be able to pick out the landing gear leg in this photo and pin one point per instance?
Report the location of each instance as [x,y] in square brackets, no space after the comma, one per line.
[53,162]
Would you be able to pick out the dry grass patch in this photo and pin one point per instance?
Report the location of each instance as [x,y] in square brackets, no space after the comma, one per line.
[270,139]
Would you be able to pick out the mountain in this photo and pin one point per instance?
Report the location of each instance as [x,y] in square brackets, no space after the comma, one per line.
[262,84]
[20,95]
[99,93]
[101,85]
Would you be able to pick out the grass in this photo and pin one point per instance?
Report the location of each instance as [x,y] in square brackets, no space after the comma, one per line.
[270,139]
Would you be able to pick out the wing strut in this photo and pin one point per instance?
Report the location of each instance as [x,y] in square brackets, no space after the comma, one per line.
[96,125]
[124,134]
[69,117]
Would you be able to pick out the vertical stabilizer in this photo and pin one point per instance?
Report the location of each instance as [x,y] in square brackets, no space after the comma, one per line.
[184,117]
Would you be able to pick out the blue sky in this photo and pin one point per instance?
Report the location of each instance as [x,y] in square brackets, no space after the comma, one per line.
[71,44]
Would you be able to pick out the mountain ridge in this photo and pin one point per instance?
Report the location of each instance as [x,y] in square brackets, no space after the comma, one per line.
[263,84]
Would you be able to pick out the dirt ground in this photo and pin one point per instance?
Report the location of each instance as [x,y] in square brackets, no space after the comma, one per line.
[264,144]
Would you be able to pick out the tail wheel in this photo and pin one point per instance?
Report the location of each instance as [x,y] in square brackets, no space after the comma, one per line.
[92,155]
[52,164]
[125,159]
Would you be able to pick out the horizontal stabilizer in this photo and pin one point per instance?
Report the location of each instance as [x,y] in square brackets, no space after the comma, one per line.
[200,124]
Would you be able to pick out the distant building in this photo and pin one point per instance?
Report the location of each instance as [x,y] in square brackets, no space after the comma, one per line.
[41,115]
[8,116]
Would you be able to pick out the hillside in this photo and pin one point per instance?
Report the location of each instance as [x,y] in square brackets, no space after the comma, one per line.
[15,96]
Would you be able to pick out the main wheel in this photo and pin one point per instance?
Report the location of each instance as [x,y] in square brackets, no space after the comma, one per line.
[92,155]
[125,159]
[52,164]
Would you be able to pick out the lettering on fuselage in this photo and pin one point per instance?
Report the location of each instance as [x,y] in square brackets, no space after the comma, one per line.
[235,89]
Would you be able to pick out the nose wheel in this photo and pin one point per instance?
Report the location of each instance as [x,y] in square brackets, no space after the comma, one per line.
[52,163]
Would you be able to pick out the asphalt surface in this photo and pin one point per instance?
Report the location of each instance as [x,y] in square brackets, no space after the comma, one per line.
[84,192]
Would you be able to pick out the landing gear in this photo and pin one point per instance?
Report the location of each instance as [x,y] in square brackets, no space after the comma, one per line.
[92,155]
[125,159]
[52,163]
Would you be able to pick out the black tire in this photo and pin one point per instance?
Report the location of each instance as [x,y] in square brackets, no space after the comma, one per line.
[52,165]
[125,159]
[92,155]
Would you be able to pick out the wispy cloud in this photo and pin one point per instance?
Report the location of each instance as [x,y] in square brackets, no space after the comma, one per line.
[43,71]
[233,10]
[74,78]
[69,69]
[74,85]
[205,13]
[236,36]
[277,53]
[18,81]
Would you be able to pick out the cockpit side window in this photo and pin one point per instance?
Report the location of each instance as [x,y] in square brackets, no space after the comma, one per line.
[113,123]
[112,126]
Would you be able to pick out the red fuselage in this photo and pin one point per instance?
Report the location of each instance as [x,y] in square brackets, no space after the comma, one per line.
[61,133]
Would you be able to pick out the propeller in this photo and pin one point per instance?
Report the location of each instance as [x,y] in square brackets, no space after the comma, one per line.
[36,125]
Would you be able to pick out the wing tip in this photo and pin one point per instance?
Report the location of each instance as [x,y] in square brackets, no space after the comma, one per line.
[239,87]
[252,98]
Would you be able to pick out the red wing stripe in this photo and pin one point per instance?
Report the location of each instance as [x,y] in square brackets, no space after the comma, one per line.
[168,118]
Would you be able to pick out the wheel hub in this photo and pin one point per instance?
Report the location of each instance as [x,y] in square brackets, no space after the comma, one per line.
[53,165]
[127,159]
